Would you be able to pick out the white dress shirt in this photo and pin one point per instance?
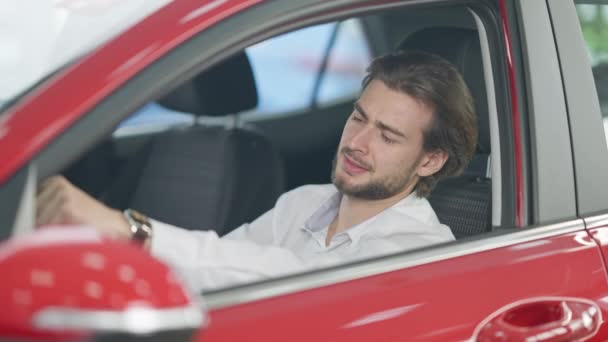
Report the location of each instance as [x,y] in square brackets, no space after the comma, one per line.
[291,238]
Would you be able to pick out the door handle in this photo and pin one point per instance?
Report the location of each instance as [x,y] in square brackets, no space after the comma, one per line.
[546,319]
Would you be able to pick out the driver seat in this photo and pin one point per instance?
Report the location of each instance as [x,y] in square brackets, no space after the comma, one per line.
[464,203]
[205,177]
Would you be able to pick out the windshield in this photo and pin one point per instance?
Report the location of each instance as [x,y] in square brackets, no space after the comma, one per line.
[39,36]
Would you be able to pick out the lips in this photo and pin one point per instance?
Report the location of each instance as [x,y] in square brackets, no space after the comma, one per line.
[353,167]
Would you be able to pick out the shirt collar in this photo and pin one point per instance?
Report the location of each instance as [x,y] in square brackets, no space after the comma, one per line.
[324,215]
[356,232]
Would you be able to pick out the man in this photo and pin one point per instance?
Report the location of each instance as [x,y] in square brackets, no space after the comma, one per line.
[413,124]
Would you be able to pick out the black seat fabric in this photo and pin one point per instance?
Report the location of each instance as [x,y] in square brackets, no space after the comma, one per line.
[207,178]
[464,202]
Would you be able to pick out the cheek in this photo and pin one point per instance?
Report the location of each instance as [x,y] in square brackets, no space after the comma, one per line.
[347,133]
[392,159]
[386,159]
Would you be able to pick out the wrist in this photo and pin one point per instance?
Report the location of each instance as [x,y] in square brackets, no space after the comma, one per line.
[140,227]
[123,226]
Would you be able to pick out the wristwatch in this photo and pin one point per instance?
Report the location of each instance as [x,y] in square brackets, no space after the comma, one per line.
[141,228]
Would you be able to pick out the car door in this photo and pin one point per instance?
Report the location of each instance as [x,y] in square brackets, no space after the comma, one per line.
[538,276]
[542,279]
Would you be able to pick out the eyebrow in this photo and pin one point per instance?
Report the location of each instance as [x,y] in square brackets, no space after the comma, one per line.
[379,124]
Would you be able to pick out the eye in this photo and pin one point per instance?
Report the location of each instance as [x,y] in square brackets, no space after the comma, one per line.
[388,140]
[356,117]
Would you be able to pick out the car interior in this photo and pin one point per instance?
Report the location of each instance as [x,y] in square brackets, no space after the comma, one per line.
[226,167]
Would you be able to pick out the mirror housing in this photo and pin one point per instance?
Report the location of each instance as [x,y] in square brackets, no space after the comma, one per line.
[68,283]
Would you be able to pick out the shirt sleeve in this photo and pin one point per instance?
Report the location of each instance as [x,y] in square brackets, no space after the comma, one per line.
[271,227]
[204,261]
[260,230]
[248,253]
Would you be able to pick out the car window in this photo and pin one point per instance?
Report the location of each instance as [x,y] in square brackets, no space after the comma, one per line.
[594,23]
[285,68]
[314,66]
[346,64]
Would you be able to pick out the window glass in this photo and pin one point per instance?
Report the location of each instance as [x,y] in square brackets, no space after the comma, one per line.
[594,23]
[285,68]
[154,114]
[289,72]
[348,58]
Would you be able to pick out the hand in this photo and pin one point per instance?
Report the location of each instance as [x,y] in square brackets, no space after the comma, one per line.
[60,202]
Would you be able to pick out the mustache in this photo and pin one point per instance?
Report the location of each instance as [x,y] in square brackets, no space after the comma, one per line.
[351,154]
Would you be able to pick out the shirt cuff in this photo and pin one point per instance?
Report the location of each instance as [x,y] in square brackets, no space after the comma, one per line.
[165,241]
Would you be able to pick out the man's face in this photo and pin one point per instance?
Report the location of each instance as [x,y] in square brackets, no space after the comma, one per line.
[380,153]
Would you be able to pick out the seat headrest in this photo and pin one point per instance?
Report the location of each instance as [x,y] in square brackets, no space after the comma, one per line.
[227,88]
[461,47]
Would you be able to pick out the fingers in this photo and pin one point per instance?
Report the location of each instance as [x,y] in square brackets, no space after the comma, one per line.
[46,193]
[51,201]
[50,182]
[60,202]
[50,213]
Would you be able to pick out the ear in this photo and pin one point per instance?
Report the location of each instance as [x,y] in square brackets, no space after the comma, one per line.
[431,163]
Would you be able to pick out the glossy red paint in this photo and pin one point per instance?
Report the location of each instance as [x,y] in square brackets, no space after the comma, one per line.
[456,294]
[600,235]
[72,268]
[46,112]
[516,117]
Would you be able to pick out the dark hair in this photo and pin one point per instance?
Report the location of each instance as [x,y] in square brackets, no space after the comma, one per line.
[438,84]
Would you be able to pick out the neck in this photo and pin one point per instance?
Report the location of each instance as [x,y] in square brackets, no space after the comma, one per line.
[353,211]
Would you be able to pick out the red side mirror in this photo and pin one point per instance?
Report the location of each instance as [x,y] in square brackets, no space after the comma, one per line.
[68,283]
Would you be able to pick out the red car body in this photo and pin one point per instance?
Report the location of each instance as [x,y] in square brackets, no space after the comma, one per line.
[544,284]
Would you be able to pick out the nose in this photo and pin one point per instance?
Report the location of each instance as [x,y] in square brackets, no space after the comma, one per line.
[361,139]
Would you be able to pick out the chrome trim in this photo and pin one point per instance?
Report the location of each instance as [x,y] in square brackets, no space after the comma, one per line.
[134,320]
[596,221]
[306,281]
[496,175]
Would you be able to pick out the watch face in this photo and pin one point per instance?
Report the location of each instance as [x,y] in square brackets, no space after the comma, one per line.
[143,228]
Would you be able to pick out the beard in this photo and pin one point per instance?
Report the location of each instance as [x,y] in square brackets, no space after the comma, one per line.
[376,189]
